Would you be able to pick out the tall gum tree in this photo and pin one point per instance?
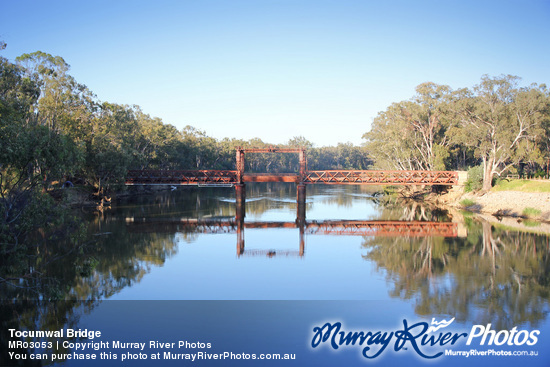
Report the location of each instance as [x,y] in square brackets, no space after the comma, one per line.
[426,118]
[500,121]
[64,105]
[410,135]
[387,142]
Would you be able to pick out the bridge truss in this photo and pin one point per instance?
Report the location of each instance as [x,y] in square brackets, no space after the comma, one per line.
[239,176]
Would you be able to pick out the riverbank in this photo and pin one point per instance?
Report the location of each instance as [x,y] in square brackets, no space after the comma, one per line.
[519,199]
[534,205]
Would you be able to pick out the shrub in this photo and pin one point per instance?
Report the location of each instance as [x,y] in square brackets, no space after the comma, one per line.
[531,212]
[475,179]
[467,202]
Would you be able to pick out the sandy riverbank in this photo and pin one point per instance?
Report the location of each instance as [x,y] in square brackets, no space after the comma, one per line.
[508,204]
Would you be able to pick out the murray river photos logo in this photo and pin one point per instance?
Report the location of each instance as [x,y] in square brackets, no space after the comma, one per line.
[427,340]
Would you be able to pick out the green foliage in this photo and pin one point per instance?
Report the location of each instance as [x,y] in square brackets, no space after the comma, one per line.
[32,156]
[87,266]
[501,122]
[441,159]
[411,134]
[475,179]
[467,202]
[496,123]
[531,212]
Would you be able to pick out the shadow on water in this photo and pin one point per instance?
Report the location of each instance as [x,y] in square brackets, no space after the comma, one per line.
[487,275]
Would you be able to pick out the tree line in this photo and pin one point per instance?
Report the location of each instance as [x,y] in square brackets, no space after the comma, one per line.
[496,124]
[97,142]
[54,129]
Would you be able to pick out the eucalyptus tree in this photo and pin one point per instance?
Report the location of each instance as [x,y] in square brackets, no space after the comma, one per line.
[198,149]
[155,143]
[545,141]
[410,134]
[31,157]
[110,146]
[428,120]
[64,104]
[500,121]
[387,142]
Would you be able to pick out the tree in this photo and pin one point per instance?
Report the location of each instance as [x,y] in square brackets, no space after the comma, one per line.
[299,142]
[110,146]
[410,135]
[500,121]
[427,120]
[544,143]
[64,105]
[31,157]
[387,142]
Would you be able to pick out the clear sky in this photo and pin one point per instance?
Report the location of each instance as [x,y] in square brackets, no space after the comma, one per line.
[275,69]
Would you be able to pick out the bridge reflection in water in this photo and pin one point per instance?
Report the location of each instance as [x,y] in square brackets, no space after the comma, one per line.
[238,225]
[238,178]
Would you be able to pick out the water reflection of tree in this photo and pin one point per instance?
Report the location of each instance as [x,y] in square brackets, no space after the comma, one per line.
[408,209]
[493,276]
[38,301]
[38,315]
[284,196]
[72,280]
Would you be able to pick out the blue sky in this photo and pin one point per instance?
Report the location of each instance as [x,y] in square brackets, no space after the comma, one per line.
[276,69]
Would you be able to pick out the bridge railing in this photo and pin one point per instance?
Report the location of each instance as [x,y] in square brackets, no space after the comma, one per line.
[224,177]
[382,177]
[180,177]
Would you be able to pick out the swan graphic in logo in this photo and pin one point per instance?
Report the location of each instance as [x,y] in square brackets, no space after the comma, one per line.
[439,325]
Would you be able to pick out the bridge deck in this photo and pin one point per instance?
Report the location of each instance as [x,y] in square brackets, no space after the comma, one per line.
[342,177]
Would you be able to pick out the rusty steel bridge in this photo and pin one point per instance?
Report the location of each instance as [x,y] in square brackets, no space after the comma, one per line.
[238,178]
[304,176]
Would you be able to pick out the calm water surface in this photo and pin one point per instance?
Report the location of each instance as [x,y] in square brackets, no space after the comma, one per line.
[186,245]
[145,251]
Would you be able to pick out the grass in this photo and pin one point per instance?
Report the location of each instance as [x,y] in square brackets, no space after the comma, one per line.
[523,186]
[467,202]
[531,212]
[527,229]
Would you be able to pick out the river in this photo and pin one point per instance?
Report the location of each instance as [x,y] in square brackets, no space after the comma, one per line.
[355,257]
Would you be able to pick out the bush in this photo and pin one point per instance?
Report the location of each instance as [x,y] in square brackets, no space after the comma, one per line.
[467,202]
[475,179]
[540,174]
[531,212]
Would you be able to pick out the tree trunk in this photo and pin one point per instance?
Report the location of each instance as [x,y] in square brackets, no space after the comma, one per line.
[487,173]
